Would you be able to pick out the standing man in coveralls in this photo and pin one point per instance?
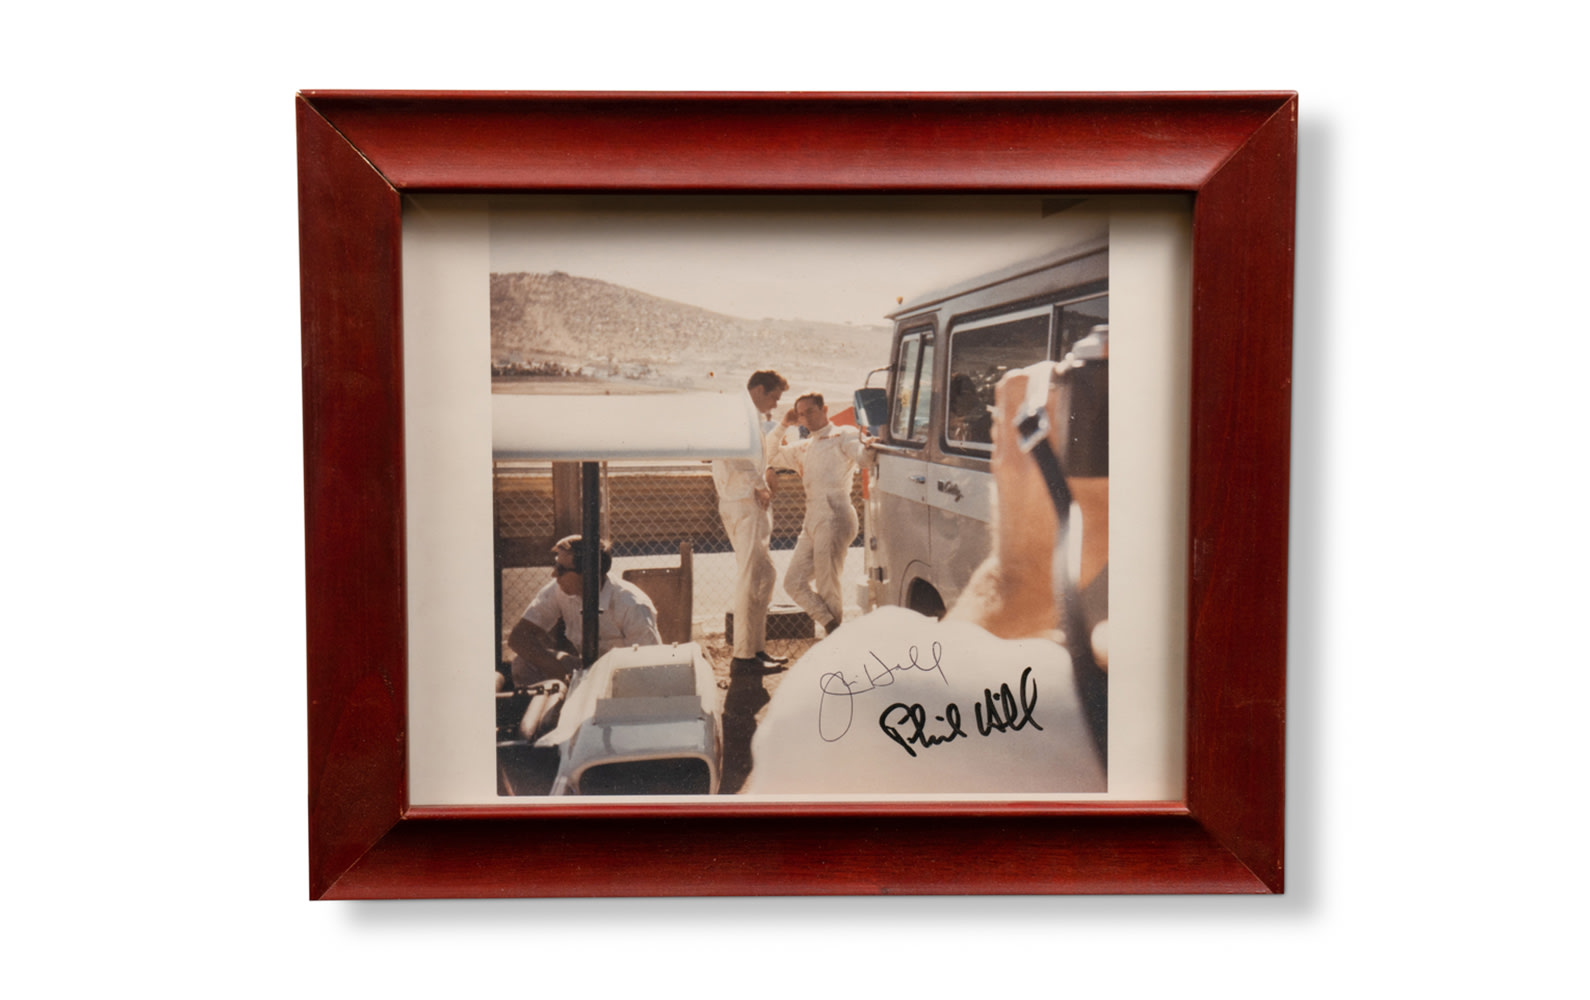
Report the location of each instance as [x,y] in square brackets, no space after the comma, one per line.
[826,460]
[745,503]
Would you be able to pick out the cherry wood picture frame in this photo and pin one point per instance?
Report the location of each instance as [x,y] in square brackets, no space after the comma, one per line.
[360,153]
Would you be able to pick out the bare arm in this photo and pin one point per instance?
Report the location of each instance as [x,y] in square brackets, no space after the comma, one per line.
[536,654]
[1011,594]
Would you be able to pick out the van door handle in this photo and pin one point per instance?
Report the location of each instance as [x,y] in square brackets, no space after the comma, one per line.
[919,479]
[952,488]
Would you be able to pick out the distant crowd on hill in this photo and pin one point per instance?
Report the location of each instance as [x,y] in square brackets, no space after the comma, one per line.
[542,368]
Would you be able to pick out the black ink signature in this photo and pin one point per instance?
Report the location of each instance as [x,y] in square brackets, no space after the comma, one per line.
[836,709]
[1005,703]
[996,714]
[916,715]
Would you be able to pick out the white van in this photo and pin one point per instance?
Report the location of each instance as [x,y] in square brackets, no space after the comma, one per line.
[929,502]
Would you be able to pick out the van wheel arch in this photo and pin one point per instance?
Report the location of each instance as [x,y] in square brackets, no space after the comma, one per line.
[923,598]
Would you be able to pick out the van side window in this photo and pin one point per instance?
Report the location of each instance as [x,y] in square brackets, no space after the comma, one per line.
[913,386]
[980,352]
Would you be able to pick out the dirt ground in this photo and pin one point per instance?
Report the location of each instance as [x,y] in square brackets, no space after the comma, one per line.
[743,701]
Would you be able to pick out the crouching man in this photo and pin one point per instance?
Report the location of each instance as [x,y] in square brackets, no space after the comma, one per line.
[627,617]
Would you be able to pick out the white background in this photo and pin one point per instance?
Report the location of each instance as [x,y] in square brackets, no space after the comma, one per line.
[154,713]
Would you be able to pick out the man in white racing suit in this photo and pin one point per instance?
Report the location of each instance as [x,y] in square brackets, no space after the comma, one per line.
[826,460]
[745,503]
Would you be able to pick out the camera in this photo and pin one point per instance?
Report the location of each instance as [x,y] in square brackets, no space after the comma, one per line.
[1083,382]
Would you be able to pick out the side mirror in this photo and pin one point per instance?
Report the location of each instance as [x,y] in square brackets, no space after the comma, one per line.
[872,409]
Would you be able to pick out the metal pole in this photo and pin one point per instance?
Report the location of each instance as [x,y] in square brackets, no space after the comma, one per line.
[591,564]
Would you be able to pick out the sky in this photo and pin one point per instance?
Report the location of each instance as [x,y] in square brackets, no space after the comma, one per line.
[841,259]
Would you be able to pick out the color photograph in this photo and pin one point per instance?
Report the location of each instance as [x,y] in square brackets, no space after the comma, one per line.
[846,465]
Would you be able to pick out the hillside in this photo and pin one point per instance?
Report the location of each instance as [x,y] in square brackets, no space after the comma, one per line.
[561,324]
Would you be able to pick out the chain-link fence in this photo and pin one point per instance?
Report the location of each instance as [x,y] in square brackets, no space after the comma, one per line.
[647,511]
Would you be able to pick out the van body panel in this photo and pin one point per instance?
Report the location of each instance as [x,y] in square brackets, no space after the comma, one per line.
[959,542]
[961,532]
[899,494]
[902,474]
[961,494]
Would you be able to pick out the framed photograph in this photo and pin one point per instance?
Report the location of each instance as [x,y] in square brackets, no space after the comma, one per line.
[857,345]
